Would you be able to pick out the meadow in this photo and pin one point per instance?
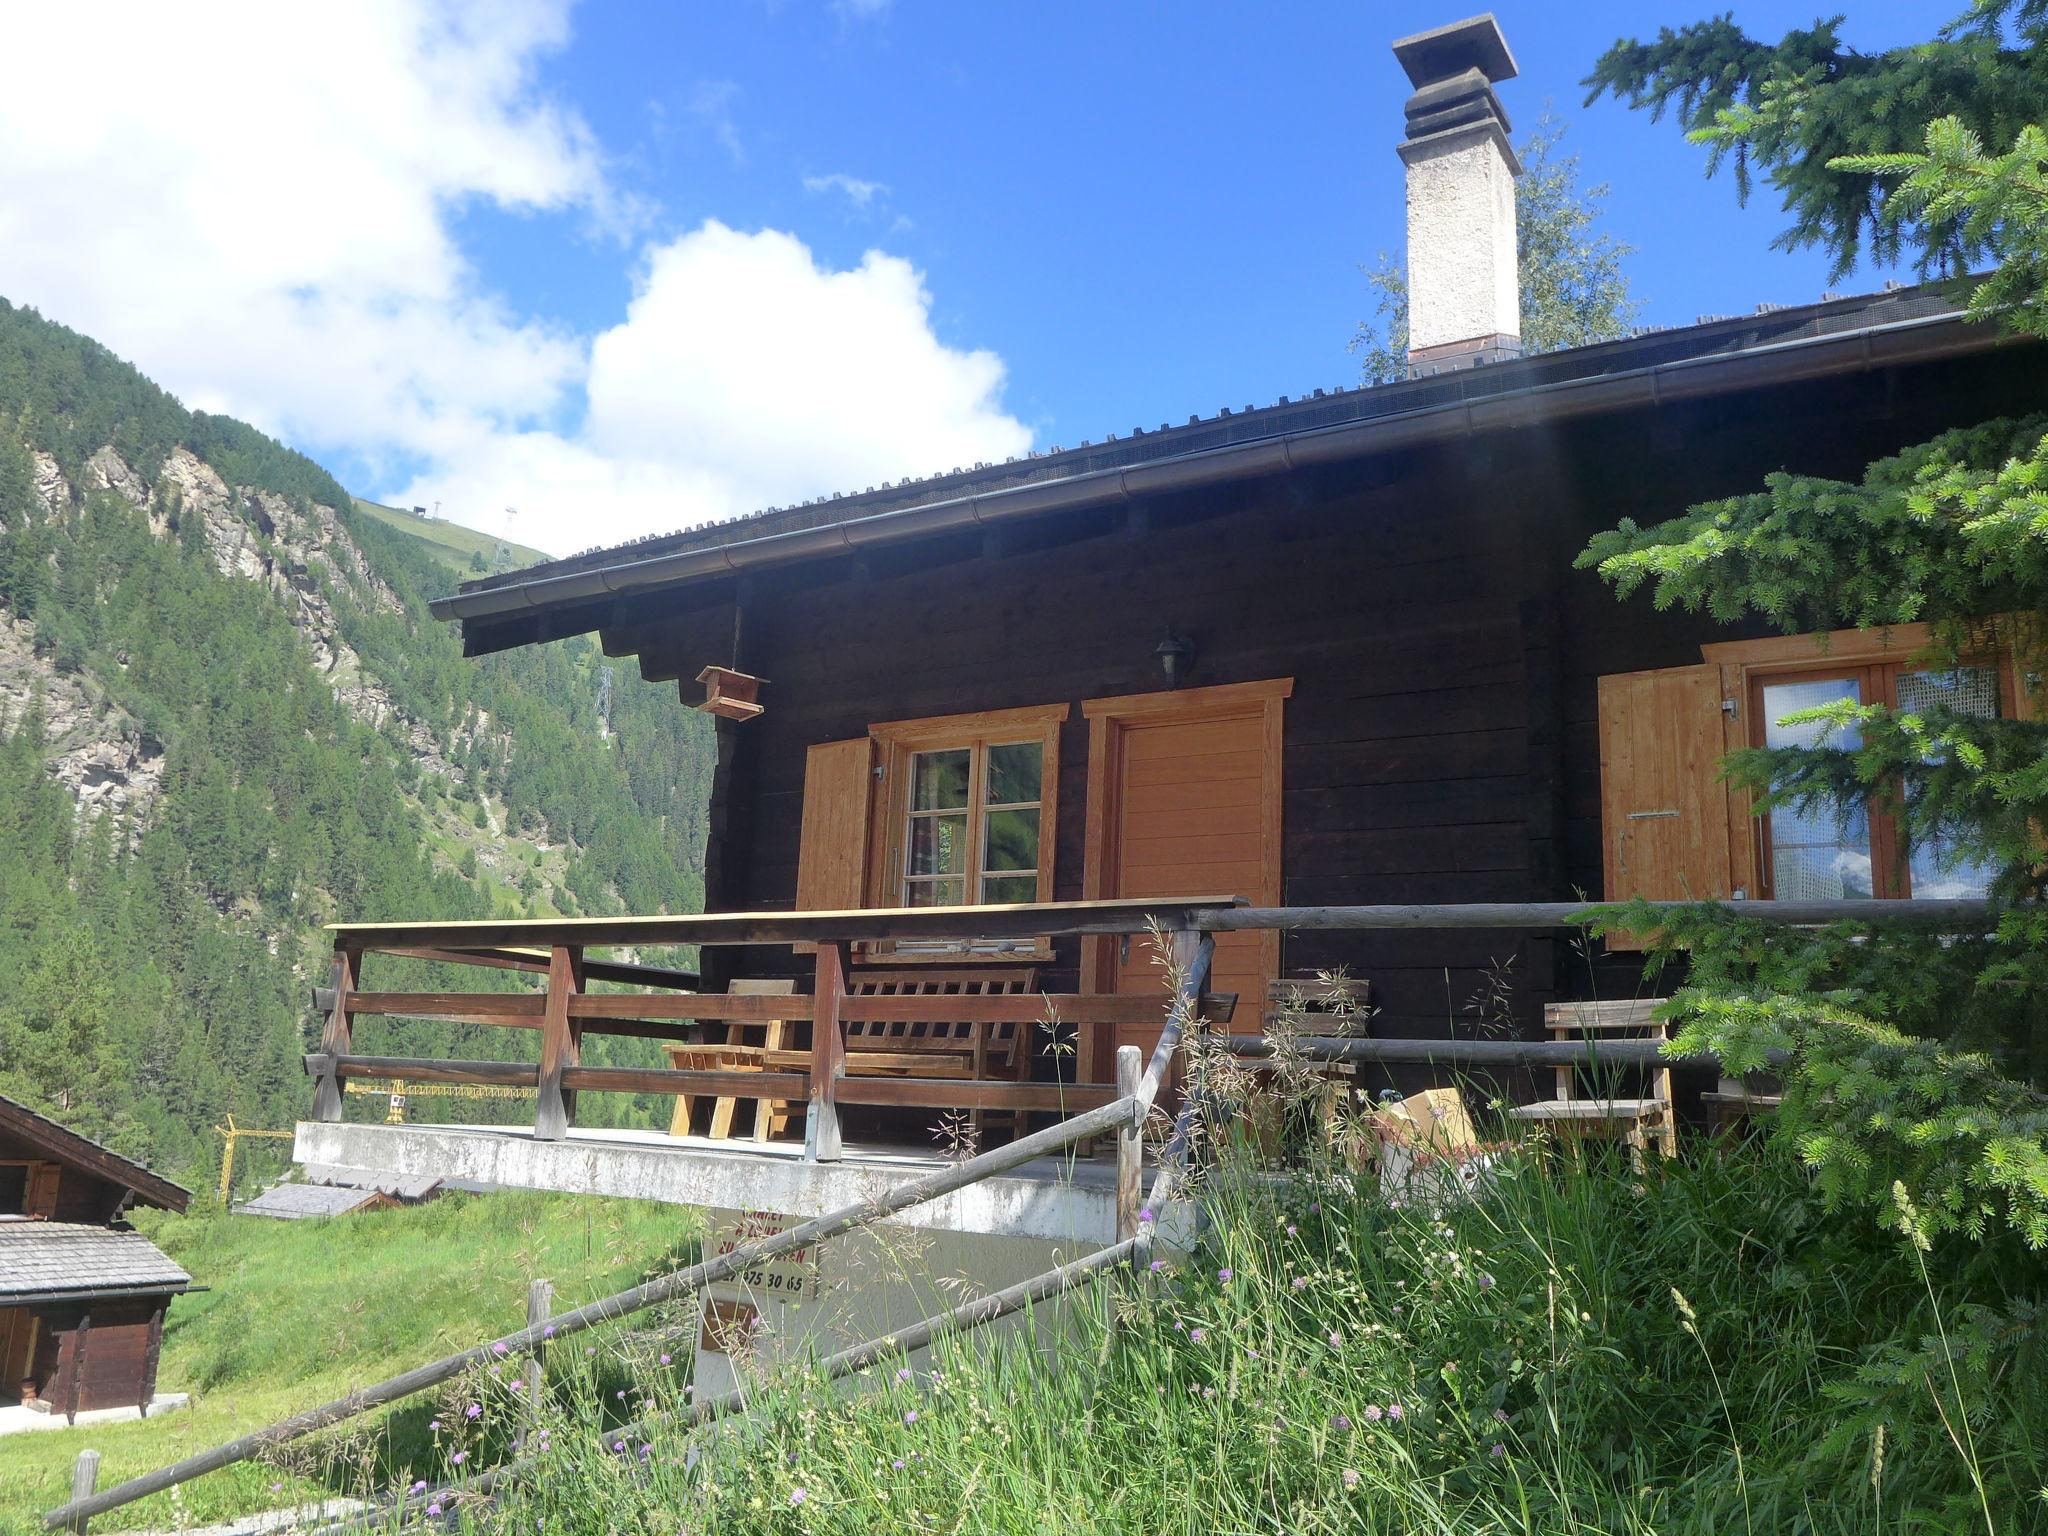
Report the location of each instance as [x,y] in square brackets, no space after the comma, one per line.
[300,1312]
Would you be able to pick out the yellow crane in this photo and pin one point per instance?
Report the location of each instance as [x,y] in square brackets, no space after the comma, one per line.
[229,1135]
[399,1092]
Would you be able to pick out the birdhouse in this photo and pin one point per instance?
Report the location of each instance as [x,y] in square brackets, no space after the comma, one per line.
[730,695]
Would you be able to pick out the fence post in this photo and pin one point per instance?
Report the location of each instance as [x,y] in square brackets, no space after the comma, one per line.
[85,1473]
[540,1304]
[561,1045]
[1130,1144]
[335,1037]
[828,1054]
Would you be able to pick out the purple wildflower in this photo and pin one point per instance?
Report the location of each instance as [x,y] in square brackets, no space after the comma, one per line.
[1225,1274]
[1197,1335]
[1500,1415]
[618,1445]
[897,1464]
[1158,1265]
[1486,1282]
[1374,1413]
[910,1417]
[1394,1412]
[548,1332]
[667,1359]
[420,1486]
[798,1495]
[1336,1339]
[434,1425]
[1498,1450]
[1339,1423]
[1350,1478]
[459,1457]
[1300,1282]
[434,1509]
[903,1373]
[473,1411]
[1293,1230]
[1145,1214]
[499,1348]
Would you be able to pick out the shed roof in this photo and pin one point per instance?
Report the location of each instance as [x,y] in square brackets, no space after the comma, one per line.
[1716,355]
[62,1260]
[64,1145]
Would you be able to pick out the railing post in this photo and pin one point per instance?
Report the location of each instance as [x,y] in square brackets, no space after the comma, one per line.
[1130,1144]
[85,1473]
[540,1303]
[335,1037]
[828,1054]
[561,1044]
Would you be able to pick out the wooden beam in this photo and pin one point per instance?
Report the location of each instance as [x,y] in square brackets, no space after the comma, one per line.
[828,1054]
[465,1007]
[1104,1008]
[1023,921]
[561,1045]
[694,1005]
[719,1082]
[412,1069]
[535,961]
[1130,1144]
[966,1093]
[335,1036]
[1495,1055]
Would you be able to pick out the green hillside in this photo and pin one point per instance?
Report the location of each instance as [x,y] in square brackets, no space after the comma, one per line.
[463,550]
[225,719]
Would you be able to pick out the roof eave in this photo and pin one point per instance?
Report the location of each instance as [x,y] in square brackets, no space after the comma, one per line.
[1917,339]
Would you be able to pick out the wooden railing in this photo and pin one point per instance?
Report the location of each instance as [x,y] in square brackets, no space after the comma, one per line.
[666,1005]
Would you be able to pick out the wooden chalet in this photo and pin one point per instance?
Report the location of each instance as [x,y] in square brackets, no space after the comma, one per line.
[82,1294]
[1330,652]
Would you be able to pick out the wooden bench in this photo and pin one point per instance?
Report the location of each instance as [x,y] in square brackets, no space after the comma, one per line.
[1306,1004]
[737,1053]
[943,1045]
[1637,1121]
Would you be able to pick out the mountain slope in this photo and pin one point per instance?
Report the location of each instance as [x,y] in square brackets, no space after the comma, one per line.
[463,550]
[226,718]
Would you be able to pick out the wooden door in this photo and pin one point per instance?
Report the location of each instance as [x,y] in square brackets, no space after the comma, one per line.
[1184,800]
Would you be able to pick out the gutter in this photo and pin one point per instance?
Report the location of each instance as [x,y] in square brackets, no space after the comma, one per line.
[1921,339]
[111,1293]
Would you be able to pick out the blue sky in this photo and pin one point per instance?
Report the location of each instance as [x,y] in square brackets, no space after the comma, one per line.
[629,266]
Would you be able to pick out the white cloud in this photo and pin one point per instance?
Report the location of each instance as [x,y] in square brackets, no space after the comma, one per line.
[745,374]
[256,203]
[860,193]
[711,103]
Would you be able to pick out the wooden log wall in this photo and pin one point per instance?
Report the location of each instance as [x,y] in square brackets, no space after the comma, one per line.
[1441,741]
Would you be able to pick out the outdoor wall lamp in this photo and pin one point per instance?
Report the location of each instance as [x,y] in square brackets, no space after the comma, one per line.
[1176,656]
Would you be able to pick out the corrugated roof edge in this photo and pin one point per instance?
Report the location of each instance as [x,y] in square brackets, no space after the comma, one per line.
[1577,381]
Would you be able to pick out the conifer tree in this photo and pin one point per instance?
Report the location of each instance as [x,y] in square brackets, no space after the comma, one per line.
[1915,1060]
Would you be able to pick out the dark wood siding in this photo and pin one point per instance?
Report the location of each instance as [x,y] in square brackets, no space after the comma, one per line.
[1441,741]
[105,1354]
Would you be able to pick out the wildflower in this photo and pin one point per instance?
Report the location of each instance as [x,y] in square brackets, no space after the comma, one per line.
[1158,1265]
[620,1394]
[618,1445]
[667,1359]
[1293,1230]
[548,1332]
[1497,1450]
[499,1348]
[459,1457]
[434,1425]
[1500,1415]
[434,1509]
[1485,1282]
[495,1368]
[646,1450]
[277,1487]
[473,1411]
[1450,1367]
[1339,1422]
[1350,1478]
[910,1417]
[1225,1274]
[590,1349]
[1300,1282]
[1336,1339]
[1208,1392]
[1145,1214]
[1394,1412]
[897,1464]
[1374,1413]
[420,1486]
[1197,1335]
[903,1373]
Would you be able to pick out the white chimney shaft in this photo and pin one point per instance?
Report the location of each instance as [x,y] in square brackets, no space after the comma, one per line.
[1464,282]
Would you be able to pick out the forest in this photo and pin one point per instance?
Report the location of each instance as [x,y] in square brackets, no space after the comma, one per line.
[318,748]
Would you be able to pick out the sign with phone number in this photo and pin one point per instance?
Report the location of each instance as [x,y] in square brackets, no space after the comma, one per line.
[789,1277]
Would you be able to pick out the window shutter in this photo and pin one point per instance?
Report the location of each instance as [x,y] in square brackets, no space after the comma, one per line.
[1663,812]
[832,857]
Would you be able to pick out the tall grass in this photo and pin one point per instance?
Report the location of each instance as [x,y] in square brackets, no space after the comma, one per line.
[1585,1350]
[302,1311]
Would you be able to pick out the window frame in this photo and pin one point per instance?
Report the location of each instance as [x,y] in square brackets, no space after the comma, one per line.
[889,815]
[1875,658]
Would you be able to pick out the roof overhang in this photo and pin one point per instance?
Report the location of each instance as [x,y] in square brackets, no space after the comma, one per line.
[1894,343]
[64,1145]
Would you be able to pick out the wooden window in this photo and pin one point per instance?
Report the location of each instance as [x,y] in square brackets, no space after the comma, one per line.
[1673,831]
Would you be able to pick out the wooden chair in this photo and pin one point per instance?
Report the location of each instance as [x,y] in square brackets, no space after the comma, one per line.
[737,1053]
[1316,1005]
[944,1047]
[1637,1121]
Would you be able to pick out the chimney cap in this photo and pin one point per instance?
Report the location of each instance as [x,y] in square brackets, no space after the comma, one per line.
[1441,52]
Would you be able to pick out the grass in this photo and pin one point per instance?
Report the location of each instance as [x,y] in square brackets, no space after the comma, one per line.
[454,546]
[300,1312]
[1702,1350]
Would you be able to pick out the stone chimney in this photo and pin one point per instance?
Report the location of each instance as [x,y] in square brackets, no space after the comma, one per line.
[1464,284]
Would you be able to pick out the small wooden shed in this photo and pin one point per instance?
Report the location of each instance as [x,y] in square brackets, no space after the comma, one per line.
[82,1294]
